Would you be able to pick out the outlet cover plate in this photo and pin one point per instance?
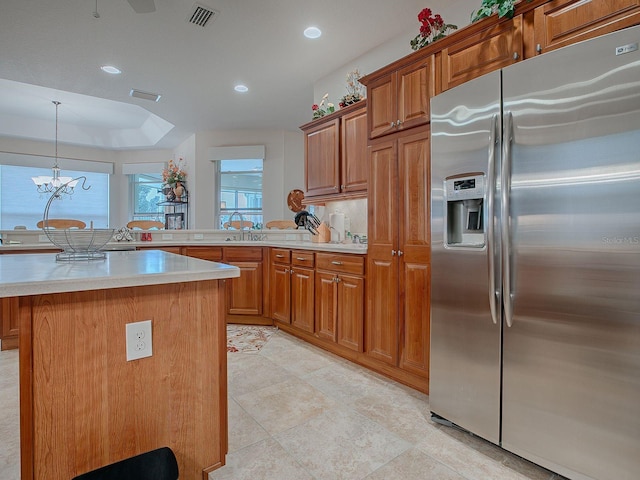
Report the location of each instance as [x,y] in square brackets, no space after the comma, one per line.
[139,340]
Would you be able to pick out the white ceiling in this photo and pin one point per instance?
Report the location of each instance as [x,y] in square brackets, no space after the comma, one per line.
[60,45]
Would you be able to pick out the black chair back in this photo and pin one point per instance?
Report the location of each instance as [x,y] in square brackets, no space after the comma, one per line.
[160,464]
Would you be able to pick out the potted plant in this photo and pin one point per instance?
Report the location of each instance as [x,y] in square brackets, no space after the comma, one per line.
[504,8]
[432,28]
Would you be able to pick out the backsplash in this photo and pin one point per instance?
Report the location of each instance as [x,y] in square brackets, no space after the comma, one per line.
[354,210]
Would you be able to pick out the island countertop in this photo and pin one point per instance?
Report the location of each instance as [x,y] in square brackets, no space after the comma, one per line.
[34,274]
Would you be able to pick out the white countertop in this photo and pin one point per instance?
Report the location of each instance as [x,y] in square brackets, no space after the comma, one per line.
[33,274]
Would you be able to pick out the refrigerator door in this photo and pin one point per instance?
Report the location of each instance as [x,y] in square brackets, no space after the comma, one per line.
[464,378]
[571,359]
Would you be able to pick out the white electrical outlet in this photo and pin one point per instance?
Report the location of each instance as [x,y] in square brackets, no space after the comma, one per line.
[198,236]
[139,344]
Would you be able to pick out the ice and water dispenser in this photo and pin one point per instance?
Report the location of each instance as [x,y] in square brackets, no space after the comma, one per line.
[464,212]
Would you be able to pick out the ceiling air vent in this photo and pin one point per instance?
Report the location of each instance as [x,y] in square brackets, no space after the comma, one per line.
[201,15]
[154,97]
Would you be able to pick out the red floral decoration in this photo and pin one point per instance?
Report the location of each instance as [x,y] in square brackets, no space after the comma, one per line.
[432,28]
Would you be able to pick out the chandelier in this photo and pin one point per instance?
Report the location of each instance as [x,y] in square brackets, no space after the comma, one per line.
[56,183]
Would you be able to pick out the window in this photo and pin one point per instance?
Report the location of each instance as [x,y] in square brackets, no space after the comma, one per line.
[146,194]
[21,204]
[239,190]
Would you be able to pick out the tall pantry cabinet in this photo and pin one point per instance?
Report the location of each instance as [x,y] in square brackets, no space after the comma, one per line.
[398,253]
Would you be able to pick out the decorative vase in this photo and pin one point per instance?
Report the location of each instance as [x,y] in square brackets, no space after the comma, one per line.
[178,191]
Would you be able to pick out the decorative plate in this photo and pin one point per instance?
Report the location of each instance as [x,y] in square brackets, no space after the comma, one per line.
[294,200]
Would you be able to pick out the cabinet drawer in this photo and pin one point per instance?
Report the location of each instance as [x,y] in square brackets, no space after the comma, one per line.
[280,255]
[301,258]
[242,254]
[337,262]
[213,254]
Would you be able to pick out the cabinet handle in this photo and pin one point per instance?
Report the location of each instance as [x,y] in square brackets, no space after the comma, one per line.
[336,279]
[393,124]
[515,55]
[335,187]
[335,262]
[291,271]
[302,259]
[279,256]
[393,252]
[539,48]
[400,253]
[398,123]
[341,187]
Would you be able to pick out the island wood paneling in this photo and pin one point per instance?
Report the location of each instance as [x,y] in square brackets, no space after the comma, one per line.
[83,405]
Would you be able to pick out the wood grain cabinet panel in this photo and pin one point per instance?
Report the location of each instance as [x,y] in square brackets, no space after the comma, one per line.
[302,298]
[354,171]
[400,99]
[336,154]
[322,158]
[244,293]
[340,299]
[397,325]
[497,46]
[562,22]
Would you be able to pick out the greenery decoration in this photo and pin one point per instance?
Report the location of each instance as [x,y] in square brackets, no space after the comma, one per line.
[432,28]
[504,8]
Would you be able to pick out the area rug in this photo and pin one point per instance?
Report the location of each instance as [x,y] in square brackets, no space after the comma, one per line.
[248,338]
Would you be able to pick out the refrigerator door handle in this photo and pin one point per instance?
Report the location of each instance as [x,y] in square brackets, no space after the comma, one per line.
[491,189]
[505,180]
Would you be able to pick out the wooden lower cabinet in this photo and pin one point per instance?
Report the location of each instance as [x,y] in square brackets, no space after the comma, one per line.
[340,299]
[398,255]
[292,282]
[9,323]
[9,307]
[244,293]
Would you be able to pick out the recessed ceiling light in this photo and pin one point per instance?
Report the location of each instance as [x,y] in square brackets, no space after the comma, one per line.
[241,88]
[110,69]
[312,32]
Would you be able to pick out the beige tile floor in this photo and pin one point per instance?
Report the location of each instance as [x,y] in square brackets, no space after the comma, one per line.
[297,412]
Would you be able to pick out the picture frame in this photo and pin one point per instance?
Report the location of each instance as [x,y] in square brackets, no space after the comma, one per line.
[174,221]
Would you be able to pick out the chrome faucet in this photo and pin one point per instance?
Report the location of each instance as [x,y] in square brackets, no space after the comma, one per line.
[241,222]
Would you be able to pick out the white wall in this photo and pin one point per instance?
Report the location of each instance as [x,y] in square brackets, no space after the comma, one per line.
[283,170]
[457,12]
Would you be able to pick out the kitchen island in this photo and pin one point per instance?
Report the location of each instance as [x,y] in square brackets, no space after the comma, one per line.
[82,404]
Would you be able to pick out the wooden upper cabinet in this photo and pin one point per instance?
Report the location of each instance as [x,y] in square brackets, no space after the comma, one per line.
[474,55]
[336,154]
[353,155]
[562,22]
[400,99]
[322,156]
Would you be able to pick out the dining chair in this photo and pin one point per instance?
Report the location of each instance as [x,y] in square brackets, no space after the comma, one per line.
[159,464]
[145,224]
[281,224]
[60,223]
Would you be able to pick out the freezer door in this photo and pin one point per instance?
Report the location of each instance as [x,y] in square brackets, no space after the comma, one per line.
[571,372]
[464,378]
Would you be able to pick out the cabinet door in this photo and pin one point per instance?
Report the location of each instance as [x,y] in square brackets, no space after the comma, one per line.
[326,305]
[415,88]
[322,157]
[280,296]
[562,22]
[481,53]
[382,105]
[414,251]
[9,323]
[382,263]
[302,295]
[244,293]
[350,311]
[353,165]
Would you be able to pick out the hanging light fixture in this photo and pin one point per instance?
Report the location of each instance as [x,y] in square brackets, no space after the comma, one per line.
[47,184]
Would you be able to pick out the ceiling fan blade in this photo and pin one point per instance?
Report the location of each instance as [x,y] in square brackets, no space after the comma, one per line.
[142,6]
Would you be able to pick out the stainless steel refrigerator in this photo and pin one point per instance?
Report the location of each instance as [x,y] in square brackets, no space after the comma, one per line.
[535,296]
